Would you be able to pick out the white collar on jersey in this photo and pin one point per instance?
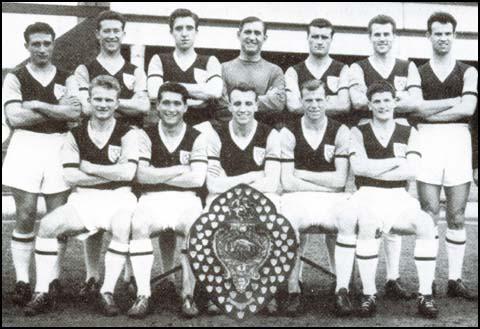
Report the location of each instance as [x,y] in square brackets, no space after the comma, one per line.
[43,78]
[171,143]
[242,142]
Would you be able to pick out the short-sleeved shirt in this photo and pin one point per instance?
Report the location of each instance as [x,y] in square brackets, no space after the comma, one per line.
[79,146]
[192,148]
[398,78]
[128,85]
[453,86]
[236,161]
[20,86]
[295,147]
[398,146]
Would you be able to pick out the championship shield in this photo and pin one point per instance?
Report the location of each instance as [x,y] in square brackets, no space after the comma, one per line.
[241,251]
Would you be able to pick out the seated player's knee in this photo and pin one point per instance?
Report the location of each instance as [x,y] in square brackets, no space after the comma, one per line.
[367,227]
[424,226]
[347,224]
[120,227]
[50,226]
[140,228]
[456,219]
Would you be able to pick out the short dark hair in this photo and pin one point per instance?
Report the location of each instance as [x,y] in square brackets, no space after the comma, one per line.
[251,19]
[380,87]
[173,87]
[441,17]
[382,19]
[312,85]
[243,87]
[320,23]
[105,81]
[182,12]
[38,27]
[110,15]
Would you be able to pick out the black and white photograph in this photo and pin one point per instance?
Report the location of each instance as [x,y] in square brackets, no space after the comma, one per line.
[252,164]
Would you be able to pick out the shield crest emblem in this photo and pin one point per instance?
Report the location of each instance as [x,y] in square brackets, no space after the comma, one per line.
[400,83]
[329,152]
[332,83]
[258,155]
[114,153]
[399,150]
[184,157]
[128,81]
[241,251]
[59,91]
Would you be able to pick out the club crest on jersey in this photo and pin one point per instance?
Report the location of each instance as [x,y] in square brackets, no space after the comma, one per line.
[400,83]
[114,153]
[241,251]
[59,91]
[329,152]
[332,83]
[258,155]
[399,150]
[184,157]
[128,81]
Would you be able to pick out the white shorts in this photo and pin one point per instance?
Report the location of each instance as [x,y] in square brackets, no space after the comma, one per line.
[97,208]
[305,209]
[177,210]
[33,163]
[275,198]
[446,154]
[384,207]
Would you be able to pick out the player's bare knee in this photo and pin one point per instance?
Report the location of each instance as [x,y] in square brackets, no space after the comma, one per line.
[456,219]
[50,227]
[367,228]
[25,219]
[347,225]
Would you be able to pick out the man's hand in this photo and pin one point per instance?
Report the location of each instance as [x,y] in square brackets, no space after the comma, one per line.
[216,171]
[70,100]
[302,174]
[32,105]
[275,92]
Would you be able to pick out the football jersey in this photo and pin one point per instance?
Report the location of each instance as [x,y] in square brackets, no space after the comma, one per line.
[126,77]
[397,78]
[236,161]
[108,155]
[304,156]
[397,147]
[31,89]
[160,157]
[433,88]
[329,78]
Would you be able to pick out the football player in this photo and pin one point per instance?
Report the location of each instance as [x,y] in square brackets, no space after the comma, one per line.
[403,75]
[38,101]
[243,150]
[172,168]
[133,106]
[99,159]
[314,174]
[449,100]
[250,68]
[200,74]
[384,156]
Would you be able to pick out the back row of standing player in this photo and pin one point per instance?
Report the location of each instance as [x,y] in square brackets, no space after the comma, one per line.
[442,91]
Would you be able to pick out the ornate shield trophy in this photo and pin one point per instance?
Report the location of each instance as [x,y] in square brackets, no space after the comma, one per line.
[241,251]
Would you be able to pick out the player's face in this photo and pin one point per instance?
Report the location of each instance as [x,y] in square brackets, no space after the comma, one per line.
[110,35]
[252,37]
[40,46]
[382,38]
[104,103]
[314,103]
[171,108]
[319,40]
[382,106]
[243,105]
[442,37]
[184,32]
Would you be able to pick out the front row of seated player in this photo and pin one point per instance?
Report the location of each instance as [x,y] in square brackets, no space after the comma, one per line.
[303,169]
